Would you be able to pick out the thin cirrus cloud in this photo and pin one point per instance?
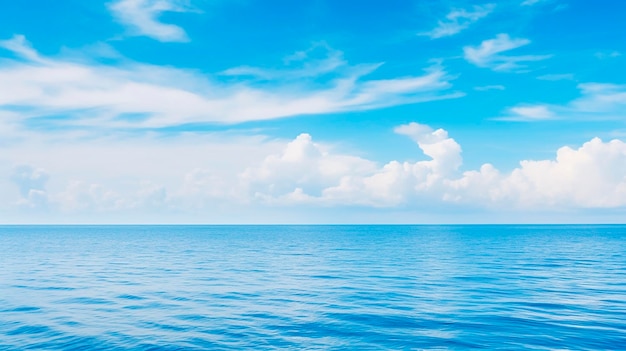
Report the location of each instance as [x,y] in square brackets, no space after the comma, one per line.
[489,54]
[597,101]
[141,17]
[490,87]
[458,20]
[555,77]
[137,95]
[531,2]
[319,60]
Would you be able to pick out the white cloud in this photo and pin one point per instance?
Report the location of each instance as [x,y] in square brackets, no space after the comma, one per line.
[141,18]
[553,77]
[139,95]
[488,54]
[303,166]
[209,177]
[21,47]
[592,176]
[531,2]
[608,99]
[597,101]
[96,175]
[305,173]
[319,60]
[529,112]
[458,20]
[28,178]
[490,87]
[608,54]
[31,183]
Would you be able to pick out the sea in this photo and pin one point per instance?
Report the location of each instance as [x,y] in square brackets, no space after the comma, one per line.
[362,287]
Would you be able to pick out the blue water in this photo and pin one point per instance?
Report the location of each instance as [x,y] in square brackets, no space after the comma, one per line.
[313,287]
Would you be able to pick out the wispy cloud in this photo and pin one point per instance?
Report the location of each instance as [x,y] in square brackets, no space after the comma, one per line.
[531,2]
[488,54]
[319,60]
[597,101]
[553,77]
[528,113]
[490,87]
[141,17]
[135,95]
[607,54]
[458,20]
[22,48]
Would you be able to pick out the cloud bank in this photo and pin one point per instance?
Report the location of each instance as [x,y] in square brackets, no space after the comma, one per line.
[303,173]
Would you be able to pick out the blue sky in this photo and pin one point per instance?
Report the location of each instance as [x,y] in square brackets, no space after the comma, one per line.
[198,111]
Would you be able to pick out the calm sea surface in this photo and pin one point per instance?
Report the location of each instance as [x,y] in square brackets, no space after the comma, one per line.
[312,287]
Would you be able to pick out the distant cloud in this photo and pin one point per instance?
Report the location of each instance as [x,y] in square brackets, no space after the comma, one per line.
[565,76]
[28,178]
[490,87]
[531,2]
[458,20]
[142,18]
[597,101]
[592,176]
[22,48]
[134,95]
[488,54]
[256,173]
[305,173]
[31,183]
[318,60]
[529,113]
[607,54]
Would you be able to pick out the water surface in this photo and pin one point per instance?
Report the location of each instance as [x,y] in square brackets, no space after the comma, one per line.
[312,287]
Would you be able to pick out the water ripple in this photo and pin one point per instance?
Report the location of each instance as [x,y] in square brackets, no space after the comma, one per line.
[312,287]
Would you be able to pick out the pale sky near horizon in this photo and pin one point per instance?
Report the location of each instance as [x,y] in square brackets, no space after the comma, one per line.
[313,111]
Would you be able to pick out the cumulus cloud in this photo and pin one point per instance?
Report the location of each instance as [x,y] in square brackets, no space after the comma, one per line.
[458,20]
[142,18]
[302,167]
[489,54]
[304,172]
[284,175]
[135,95]
[592,176]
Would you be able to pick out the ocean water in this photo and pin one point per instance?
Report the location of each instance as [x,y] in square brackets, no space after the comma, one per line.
[312,287]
